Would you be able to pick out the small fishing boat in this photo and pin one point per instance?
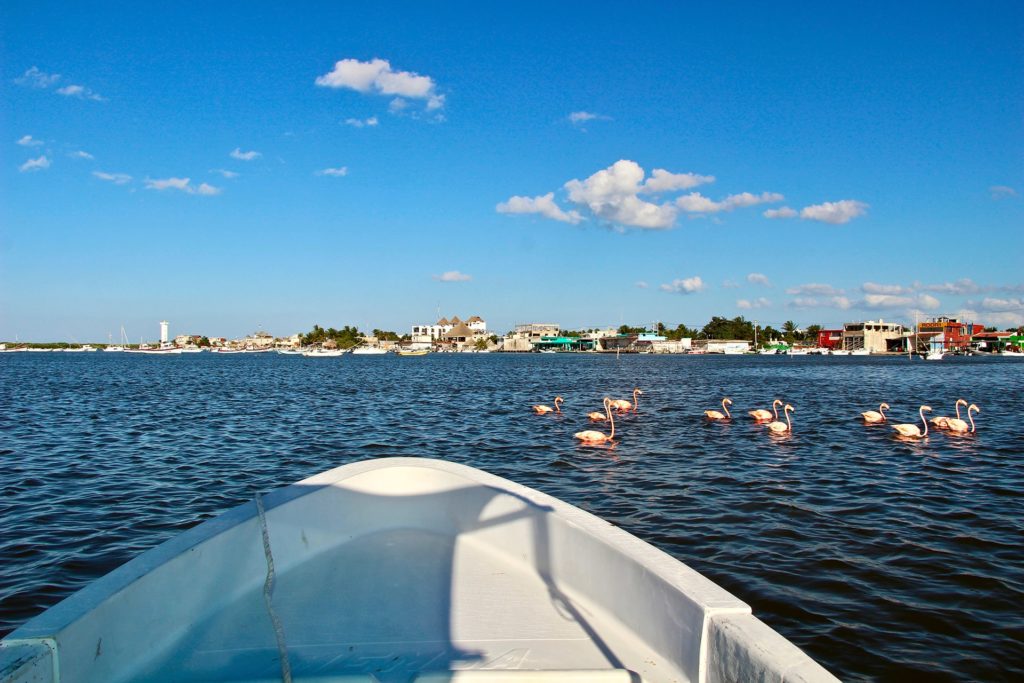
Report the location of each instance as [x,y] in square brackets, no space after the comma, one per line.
[404,569]
[163,350]
[412,352]
[860,352]
[936,354]
[290,352]
[323,353]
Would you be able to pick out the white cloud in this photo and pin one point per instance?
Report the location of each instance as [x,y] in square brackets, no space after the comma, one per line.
[1002,192]
[183,185]
[876,288]
[397,105]
[690,285]
[664,181]
[641,285]
[578,118]
[611,194]
[835,213]
[994,304]
[759,279]
[453,276]
[886,301]
[377,76]
[167,184]
[207,189]
[336,172]
[81,154]
[28,141]
[781,212]
[695,202]
[225,173]
[37,164]
[79,91]
[840,302]
[730,284]
[747,304]
[1004,320]
[961,287]
[116,178]
[543,205]
[582,117]
[816,289]
[237,153]
[34,78]
[997,319]
[362,123]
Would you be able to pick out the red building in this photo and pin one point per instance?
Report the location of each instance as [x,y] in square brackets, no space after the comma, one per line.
[952,333]
[830,339]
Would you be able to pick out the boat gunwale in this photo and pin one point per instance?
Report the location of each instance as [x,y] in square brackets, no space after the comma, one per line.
[702,591]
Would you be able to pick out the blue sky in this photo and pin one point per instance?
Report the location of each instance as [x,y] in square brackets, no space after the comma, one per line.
[234,166]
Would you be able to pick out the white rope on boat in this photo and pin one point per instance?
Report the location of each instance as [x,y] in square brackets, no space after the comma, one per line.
[268,591]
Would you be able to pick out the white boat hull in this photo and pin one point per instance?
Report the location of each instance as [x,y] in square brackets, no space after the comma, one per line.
[408,569]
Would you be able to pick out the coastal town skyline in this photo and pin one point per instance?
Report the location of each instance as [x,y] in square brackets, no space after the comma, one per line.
[281,170]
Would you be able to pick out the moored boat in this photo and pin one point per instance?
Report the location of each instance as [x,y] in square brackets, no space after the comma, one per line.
[412,352]
[404,569]
[323,353]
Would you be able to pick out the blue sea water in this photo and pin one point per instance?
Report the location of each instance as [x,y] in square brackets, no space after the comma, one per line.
[884,559]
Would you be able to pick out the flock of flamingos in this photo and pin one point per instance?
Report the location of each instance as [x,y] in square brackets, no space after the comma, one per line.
[770,418]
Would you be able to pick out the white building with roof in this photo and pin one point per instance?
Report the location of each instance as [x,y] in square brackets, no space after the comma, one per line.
[429,334]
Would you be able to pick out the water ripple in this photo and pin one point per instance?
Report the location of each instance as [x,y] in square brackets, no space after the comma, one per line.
[884,559]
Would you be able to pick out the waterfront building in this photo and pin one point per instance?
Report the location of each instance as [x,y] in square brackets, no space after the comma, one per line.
[830,339]
[526,335]
[292,342]
[684,345]
[425,335]
[948,334]
[726,346]
[875,337]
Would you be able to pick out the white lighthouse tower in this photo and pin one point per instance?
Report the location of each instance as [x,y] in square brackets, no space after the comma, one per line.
[163,332]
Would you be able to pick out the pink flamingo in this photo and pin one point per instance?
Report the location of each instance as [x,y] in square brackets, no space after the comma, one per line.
[913,431]
[942,422]
[762,415]
[715,415]
[875,416]
[597,416]
[592,436]
[958,426]
[624,406]
[779,427]
[544,410]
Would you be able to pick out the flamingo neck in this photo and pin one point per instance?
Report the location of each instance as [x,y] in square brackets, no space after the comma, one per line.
[921,412]
[634,400]
[775,409]
[971,418]
[958,411]
[881,412]
[725,408]
[608,410]
[557,409]
[789,425]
